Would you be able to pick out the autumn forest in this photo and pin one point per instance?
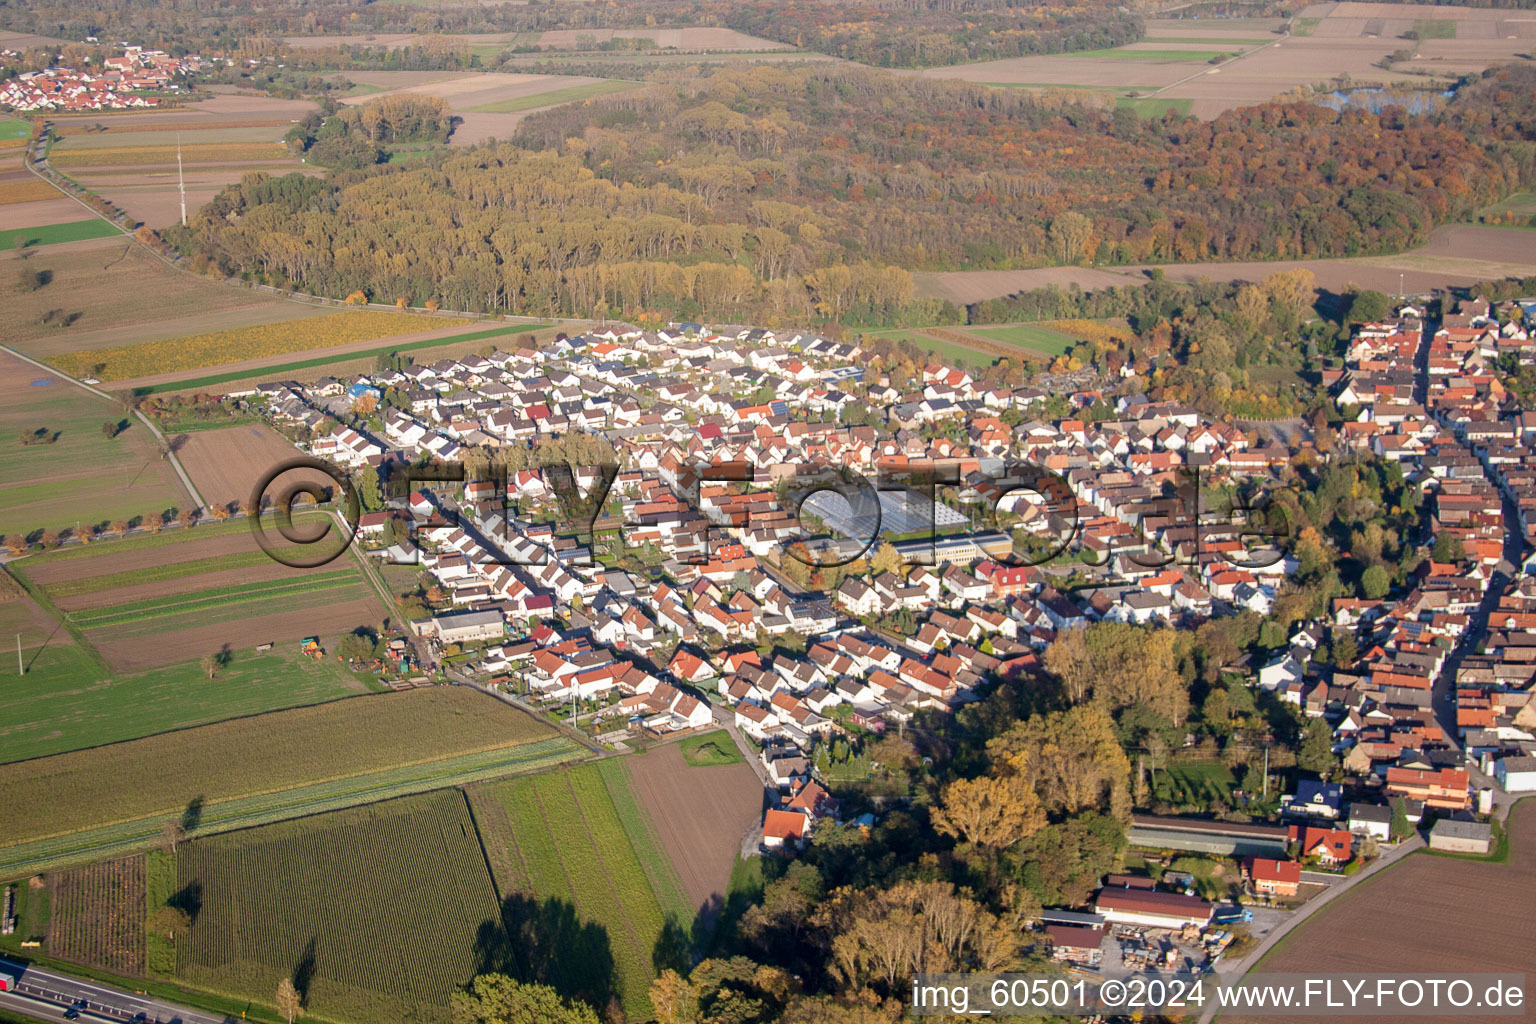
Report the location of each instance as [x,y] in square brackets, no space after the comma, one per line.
[812,193]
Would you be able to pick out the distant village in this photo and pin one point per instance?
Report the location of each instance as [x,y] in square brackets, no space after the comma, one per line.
[704,623]
[118,84]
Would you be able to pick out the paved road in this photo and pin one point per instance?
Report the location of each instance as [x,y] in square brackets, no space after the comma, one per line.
[46,994]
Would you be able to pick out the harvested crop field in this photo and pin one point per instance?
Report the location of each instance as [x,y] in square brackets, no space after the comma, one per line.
[131,157]
[267,754]
[98,915]
[700,815]
[226,464]
[385,904]
[1380,925]
[51,209]
[72,472]
[119,295]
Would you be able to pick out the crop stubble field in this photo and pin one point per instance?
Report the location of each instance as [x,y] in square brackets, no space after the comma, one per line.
[378,910]
[123,296]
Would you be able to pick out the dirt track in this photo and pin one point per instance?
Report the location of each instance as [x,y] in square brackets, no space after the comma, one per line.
[700,815]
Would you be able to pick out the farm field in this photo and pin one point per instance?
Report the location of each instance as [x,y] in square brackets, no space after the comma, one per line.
[566,95]
[490,104]
[349,359]
[1456,254]
[1378,926]
[261,769]
[145,607]
[724,805]
[175,354]
[41,211]
[80,474]
[117,295]
[52,234]
[129,157]
[1329,39]
[1519,210]
[573,844]
[98,915]
[68,702]
[225,464]
[1041,340]
[939,347]
[297,900]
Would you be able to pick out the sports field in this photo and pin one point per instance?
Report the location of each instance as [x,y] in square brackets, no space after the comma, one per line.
[376,913]
[574,845]
[262,769]
[58,466]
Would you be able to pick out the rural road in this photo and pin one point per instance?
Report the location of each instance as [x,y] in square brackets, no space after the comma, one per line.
[165,445]
[46,994]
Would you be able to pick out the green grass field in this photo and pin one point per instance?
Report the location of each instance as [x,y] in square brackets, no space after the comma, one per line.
[573,847]
[14,128]
[66,701]
[1305,26]
[1039,339]
[378,913]
[943,349]
[1435,28]
[284,369]
[1154,107]
[52,234]
[711,748]
[555,96]
[81,474]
